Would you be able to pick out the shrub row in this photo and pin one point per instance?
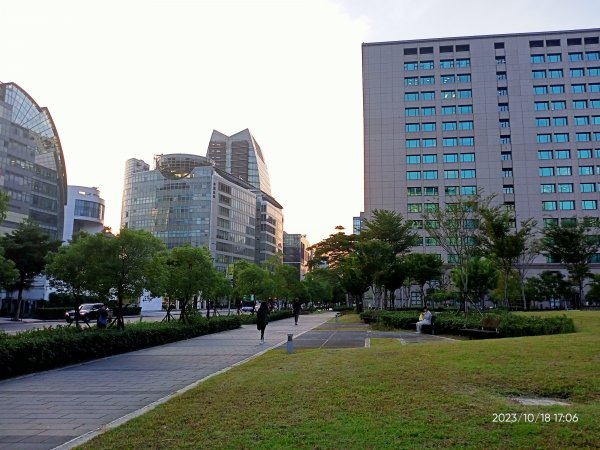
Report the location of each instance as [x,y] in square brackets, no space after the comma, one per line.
[273,315]
[58,312]
[44,349]
[511,325]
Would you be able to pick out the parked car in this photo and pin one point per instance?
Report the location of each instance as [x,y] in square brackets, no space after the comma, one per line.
[249,307]
[87,312]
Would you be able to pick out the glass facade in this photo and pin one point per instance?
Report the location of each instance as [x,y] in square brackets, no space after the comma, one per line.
[32,168]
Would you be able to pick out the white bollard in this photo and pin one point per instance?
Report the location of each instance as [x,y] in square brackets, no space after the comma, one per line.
[290,344]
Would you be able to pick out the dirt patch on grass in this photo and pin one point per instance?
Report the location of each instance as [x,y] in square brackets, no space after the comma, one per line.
[532,401]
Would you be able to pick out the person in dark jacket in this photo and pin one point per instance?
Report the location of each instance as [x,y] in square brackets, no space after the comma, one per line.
[262,319]
[297,307]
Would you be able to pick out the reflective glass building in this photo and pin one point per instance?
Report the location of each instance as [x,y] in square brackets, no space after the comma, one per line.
[32,168]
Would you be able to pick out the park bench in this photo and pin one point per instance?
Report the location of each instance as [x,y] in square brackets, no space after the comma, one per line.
[488,329]
[427,329]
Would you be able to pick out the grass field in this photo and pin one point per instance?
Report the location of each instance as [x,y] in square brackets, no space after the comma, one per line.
[449,394]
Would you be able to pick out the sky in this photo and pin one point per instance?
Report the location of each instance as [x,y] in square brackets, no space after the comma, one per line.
[136,78]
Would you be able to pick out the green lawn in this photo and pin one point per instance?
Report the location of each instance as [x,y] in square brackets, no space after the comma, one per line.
[438,395]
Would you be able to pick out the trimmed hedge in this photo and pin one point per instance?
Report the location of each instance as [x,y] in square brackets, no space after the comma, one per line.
[511,325]
[247,319]
[36,350]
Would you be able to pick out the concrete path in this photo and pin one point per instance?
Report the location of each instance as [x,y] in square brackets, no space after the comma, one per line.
[62,408]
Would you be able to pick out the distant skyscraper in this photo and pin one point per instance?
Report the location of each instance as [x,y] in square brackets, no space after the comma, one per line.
[32,166]
[241,156]
[296,253]
[516,115]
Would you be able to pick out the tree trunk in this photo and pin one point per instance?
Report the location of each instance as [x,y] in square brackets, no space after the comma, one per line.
[19,301]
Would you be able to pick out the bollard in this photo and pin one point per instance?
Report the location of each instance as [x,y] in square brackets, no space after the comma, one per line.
[290,344]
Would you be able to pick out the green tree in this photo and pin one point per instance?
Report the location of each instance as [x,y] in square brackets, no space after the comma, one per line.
[572,244]
[593,295]
[182,273]
[252,280]
[548,286]
[422,268]
[502,244]
[483,277]
[27,247]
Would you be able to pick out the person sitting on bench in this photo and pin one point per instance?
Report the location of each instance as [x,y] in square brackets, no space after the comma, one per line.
[426,319]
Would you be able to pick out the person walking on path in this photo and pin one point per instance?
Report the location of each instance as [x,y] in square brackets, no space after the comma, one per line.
[262,319]
[296,307]
[102,319]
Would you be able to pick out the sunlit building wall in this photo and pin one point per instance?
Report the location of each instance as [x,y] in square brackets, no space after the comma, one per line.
[84,211]
[32,166]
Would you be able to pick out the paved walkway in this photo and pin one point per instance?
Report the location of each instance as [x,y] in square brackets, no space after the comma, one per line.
[61,408]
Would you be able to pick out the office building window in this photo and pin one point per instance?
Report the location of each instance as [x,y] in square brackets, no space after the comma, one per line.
[428,95]
[468,190]
[581,120]
[427,80]
[543,138]
[540,90]
[537,59]
[450,174]
[542,122]
[554,57]
[430,191]
[549,206]
[502,91]
[506,156]
[415,224]
[579,104]
[586,170]
[466,125]
[426,65]
[411,96]
[561,137]
[411,112]
[507,173]
[594,87]
[547,188]
[541,106]
[584,153]
[504,140]
[508,189]
[576,56]
[451,190]
[413,175]
[446,63]
[592,56]
[538,74]
[468,173]
[431,207]
[557,89]
[468,109]
[430,111]
[576,73]
[414,191]
[451,157]
[595,104]
[559,104]
[559,121]
[447,79]
[448,95]
[411,65]
[411,127]
[500,76]
[562,154]
[550,222]
[463,63]
[431,241]
[430,174]
[546,171]
[545,154]
[589,204]
[583,137]
[413,159]
[446,110]
[428,126]
[577,88]
[464,93]
[414,207]
[594,72]
[596,120]
[467,157]
[463,78]
[429,159]
[430,142]
[411,81]
[450,142]
[564,188]
[563,171]
[587,187]
[412,143]
[500,60]
[555,73]
[567,205]
[448,126]
[467,141]
[502,107]
[504,123]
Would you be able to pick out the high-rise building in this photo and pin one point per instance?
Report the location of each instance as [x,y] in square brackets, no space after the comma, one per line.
[516,115]
[84,211]
[32,166]
[296,253]
[241,156]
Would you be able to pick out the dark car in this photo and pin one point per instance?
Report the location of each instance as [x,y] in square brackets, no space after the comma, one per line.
[87,312]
